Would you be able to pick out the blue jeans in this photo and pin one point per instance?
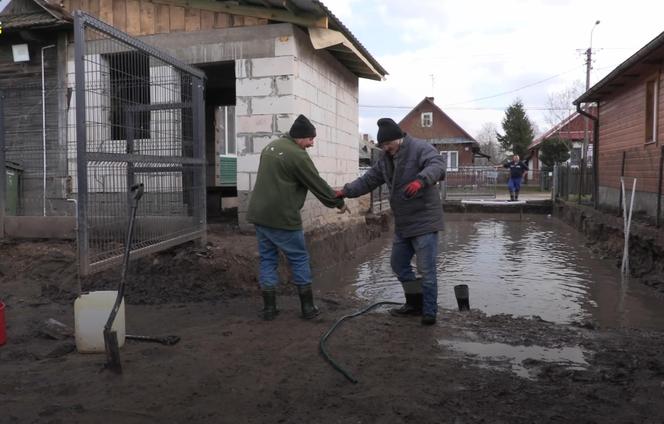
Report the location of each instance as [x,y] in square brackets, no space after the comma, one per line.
[514,184]
[270,241]
[425,248]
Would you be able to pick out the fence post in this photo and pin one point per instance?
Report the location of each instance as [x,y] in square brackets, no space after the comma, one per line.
[3,166]
[658,219]
[200,189]
[554,183]
[81,144]
[582,170]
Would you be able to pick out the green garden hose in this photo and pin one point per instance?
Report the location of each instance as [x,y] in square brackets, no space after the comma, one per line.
[327,334]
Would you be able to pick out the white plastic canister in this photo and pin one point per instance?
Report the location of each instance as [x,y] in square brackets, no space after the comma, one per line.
[91,312]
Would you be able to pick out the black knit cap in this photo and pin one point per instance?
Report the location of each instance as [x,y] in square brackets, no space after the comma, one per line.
[302,128]
[388,130]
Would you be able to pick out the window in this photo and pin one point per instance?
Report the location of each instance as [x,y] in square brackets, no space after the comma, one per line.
[452,159]
[225,123]
[651,111]
[575,156]
[427,119]
[130,86]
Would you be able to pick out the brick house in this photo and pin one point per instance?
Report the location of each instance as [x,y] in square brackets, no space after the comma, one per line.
[571,129]
[629,128]
[428,122]
[265,61]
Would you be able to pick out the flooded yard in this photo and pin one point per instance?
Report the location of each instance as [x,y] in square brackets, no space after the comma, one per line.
[493,364]
[535,266]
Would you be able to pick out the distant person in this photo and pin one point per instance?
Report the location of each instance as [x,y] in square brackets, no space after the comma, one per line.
[410,168]
[517,169]
[285,174]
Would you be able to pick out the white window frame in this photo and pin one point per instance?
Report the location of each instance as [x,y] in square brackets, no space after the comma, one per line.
[448,159]
[427,119]
[228,128]
[655,93]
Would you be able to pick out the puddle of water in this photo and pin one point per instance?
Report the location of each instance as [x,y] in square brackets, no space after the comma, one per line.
[502,356]
[535,266]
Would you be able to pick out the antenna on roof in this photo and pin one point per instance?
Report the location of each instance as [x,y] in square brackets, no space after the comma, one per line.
[433,83]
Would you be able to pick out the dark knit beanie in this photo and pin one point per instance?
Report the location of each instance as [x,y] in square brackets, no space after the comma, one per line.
[388,130]
[302,128]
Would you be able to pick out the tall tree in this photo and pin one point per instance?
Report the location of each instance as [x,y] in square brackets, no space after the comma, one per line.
[518,130]
[559,103]
[489,143]
[554,150]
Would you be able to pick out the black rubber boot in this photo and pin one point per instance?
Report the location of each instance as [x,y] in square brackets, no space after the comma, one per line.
[269,305]
[412,307]
[309,310]
[516,195]
[512,196]
[428,320]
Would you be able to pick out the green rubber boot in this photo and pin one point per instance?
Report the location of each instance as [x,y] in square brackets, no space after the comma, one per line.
[309,309]
[269,311]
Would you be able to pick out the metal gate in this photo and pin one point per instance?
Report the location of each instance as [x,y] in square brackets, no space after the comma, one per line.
[471,182]
[139,118]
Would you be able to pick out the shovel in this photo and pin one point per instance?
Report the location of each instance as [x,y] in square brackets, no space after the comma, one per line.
[110,337]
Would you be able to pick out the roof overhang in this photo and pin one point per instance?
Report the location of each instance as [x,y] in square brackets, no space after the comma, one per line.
[343,49]
[645,61]
[325,29]
[33,14]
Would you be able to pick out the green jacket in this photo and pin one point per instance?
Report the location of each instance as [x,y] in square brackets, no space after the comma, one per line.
[285,174]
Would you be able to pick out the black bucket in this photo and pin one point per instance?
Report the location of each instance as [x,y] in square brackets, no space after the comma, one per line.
[462,297]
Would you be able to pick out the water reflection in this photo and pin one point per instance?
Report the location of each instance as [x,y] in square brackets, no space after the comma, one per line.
[535,266]
[502,356]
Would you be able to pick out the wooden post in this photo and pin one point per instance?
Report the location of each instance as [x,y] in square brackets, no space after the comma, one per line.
[659,188]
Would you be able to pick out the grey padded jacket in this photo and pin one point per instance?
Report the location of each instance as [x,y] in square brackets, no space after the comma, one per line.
[416,159]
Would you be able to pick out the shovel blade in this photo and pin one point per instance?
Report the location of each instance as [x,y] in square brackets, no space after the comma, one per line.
[113,362]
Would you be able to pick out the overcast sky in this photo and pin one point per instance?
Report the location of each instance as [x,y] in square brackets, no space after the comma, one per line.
[476,49]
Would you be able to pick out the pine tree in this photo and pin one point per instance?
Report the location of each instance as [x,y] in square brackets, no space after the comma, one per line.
[518,130]
[554,150]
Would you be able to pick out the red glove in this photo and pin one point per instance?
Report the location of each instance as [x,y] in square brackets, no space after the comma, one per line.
[339,194]
[413,187]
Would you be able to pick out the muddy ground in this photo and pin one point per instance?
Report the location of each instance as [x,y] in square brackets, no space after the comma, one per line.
[231,367]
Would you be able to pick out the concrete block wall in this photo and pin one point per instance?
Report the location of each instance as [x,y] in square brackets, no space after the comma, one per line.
[273,91]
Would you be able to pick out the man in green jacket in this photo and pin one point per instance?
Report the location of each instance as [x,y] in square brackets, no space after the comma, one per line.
[285,174]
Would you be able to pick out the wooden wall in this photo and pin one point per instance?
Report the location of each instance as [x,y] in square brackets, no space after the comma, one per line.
[622,129]
[146,17]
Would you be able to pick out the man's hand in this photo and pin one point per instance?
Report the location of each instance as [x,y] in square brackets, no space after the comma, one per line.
[344,209]
[413,187]
[339,194]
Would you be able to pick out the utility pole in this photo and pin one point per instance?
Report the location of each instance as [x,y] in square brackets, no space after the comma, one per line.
[584,149]
[589,66]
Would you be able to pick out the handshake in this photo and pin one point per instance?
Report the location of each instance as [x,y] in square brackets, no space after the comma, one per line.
[339,194]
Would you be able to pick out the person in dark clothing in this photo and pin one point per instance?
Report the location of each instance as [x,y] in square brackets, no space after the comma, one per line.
[285,174]
[410,168]
[517,169]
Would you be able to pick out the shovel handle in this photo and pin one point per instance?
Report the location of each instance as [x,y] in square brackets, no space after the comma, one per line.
[137,191]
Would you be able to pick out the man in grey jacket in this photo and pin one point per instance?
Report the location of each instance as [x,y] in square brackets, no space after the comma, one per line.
[410,168]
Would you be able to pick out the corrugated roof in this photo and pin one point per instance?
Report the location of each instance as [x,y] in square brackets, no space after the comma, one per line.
[317,8]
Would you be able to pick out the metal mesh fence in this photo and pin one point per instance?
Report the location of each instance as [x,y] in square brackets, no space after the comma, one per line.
[138,120]
[35,148]
[380,197]
[479,182]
